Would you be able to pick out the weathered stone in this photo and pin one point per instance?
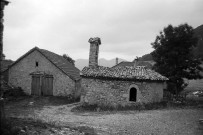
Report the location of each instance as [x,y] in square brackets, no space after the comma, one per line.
[125,95]
[117,86]
[19,74]
[114,92]
[94,51]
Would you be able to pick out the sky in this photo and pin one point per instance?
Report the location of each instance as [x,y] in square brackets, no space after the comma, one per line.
[126,27]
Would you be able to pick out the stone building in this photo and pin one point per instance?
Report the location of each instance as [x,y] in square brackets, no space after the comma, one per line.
[122,85]
[5,63]
[135,62]
[41,72]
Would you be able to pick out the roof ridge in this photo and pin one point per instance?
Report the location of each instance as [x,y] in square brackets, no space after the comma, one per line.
[62,65]
[124,72]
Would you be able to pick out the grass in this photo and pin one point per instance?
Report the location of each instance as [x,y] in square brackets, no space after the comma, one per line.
[137,106]
[22,117]
[140,106]
[16,126]
[194,85]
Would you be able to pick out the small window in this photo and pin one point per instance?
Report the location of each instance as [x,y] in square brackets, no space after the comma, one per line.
[36,64]
[133,94]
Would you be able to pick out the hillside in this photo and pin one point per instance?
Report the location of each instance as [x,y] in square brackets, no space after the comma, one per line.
[146,57]
[198,50]
[194,85]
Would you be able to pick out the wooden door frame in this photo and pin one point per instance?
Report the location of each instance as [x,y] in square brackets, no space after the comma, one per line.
[138,93]
[43,79]
[41,76]
[40,83]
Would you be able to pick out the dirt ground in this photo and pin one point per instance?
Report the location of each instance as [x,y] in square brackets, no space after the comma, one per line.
[154,122]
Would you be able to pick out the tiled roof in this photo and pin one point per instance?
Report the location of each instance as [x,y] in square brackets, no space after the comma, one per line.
[124,63]
[62,64]
[147,64]
[59,61]
[124,72]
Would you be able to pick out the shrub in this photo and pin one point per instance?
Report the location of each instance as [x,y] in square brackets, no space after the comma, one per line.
[14,93]
[9,129]
[132,106]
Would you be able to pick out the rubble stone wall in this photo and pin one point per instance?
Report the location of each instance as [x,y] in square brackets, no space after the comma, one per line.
[19,74]
[93,55]
[114,92]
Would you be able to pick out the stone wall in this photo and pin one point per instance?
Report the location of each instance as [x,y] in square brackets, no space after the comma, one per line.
[93,54]
[114,92]
[94,51]
[19,74]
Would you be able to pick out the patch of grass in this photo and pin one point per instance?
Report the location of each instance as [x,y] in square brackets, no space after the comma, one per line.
[139,106]
[132,106]
[38,102]
[18,94]
[60,100]
[87,130]
[29,126]
[14,94]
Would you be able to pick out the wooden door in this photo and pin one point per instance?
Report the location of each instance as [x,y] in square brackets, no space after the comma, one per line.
[36,87]
[47,86]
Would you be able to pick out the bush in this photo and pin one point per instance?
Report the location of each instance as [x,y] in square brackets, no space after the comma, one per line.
[9,129]
[133,106]
[14,93]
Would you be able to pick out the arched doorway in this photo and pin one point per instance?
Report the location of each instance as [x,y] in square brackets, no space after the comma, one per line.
[133,94]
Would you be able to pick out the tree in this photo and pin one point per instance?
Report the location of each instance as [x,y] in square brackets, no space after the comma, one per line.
[2,114]
[173,55]
[69,59]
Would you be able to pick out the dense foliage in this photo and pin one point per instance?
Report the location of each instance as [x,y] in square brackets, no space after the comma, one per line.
[173,55]
[198,51]
[69,59]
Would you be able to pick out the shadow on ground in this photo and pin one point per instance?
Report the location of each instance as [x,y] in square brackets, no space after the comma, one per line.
[25,105]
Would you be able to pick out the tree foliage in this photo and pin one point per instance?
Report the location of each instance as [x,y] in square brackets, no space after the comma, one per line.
[173,55]
[198,51]
[69,59]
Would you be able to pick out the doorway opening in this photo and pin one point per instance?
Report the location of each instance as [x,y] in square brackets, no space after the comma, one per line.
[133,94]
[42,85]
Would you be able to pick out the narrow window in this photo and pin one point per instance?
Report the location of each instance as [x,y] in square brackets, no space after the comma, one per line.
[133,94]
[36,64]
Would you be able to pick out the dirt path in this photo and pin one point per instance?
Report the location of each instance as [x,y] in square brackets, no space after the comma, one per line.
[154,122]
[180,121]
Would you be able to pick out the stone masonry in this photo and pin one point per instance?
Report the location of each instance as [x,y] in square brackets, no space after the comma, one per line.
[118,86]
[19,74]
[94,51]
[115,92]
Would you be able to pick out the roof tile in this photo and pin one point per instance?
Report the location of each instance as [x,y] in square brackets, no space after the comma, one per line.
[123,72]
[59,61]
[62,64]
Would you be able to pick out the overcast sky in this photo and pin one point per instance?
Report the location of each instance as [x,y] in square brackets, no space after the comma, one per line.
[126,27]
